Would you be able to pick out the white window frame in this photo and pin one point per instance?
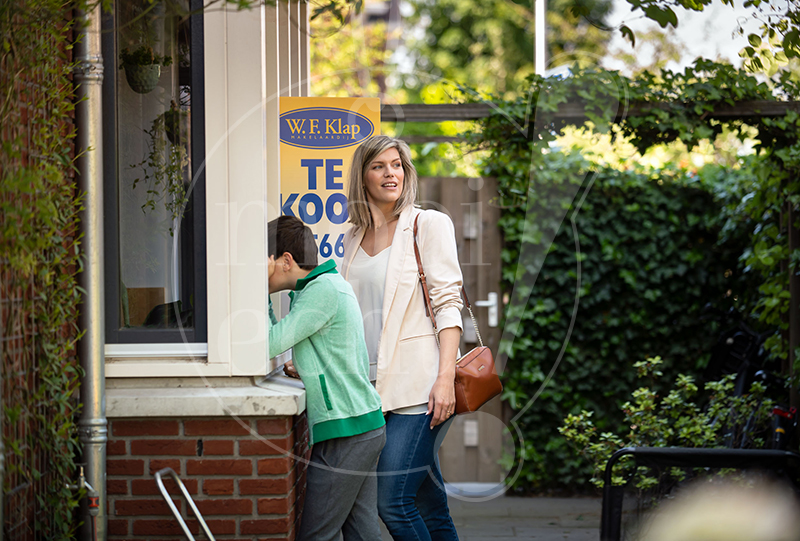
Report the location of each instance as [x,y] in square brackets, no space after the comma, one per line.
[242,174]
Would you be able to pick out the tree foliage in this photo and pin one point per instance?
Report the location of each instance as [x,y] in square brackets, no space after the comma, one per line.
[349,60]
[489,45]
[779,32]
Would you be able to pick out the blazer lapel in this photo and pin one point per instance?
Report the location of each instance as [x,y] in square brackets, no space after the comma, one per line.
[403,236]
[350,254]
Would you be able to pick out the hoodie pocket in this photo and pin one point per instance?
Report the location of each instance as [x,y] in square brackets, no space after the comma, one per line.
[325,392]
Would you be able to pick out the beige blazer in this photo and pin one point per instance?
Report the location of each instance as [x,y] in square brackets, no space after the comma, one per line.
[408,356]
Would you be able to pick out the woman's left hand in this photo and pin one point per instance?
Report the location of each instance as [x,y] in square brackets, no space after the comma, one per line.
[442,400]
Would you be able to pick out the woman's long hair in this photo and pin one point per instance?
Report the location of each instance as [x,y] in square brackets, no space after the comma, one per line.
[357,204]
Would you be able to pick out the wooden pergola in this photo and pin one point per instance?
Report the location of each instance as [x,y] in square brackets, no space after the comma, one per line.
[421,112]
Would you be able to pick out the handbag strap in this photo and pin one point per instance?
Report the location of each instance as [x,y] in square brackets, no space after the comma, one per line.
[426,294]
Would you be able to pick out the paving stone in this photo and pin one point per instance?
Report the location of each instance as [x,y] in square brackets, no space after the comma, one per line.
[509,518]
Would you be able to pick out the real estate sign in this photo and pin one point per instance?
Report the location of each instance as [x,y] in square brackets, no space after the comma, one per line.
[318,138]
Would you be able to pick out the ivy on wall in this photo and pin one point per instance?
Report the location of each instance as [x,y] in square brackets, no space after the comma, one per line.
[39,294]
[604,268]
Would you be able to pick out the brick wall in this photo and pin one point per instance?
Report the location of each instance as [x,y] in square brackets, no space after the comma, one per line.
[246,476]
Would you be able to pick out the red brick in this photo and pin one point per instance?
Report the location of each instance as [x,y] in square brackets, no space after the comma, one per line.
[214,487]
[277,466]
[216,428]
[143,507]
[163,527]
[115,448]
[273,506]
[117,526]
[125,467]
[264,486]
[145,428]
[269,525]
[159,464]
[265,447]
[278,425]
[116,486]
[164,447]
[222,527]
[210,466]
[217,447]
[146,487]
[225,507]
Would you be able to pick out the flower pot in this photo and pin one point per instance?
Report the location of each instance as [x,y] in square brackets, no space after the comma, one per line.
[142,79]
[174,125]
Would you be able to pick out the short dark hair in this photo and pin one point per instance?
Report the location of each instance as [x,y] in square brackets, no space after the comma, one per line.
[290,234]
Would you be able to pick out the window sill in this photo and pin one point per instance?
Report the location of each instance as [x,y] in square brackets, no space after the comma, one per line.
[153,361]
[242,397]
[114,352]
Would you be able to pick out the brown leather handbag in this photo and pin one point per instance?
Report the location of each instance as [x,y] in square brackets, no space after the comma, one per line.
[477,381]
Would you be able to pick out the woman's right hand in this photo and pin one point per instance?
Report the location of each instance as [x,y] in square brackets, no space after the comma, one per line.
[442,400]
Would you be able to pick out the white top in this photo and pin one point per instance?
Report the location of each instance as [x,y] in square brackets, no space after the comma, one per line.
[368,277]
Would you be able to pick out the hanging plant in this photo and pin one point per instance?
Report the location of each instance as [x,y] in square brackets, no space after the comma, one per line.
[175,123]
[143,67]
[165,166]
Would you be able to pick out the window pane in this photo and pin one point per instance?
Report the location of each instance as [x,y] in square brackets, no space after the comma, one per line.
[154,165]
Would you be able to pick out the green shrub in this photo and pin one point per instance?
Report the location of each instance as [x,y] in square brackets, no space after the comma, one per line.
[627,276]
[636,254]
[674,419]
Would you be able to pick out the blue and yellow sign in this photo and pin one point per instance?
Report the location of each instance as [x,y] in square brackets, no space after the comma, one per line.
[318,139]
[324,128]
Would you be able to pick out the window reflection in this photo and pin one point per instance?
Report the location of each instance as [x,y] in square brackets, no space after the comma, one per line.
[154,164]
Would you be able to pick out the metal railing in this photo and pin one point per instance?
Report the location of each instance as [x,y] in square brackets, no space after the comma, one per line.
[189,500]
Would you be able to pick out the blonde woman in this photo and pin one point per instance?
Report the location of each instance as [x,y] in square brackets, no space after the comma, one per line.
[413,375]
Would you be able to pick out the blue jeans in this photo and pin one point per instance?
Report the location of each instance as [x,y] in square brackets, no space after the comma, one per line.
[412,502]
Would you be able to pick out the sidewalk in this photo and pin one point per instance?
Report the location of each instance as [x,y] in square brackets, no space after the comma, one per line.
[539,518]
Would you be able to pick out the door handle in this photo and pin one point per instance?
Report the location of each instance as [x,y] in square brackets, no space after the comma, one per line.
[490,303]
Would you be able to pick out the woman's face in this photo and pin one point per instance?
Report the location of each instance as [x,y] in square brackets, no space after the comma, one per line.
[384,179]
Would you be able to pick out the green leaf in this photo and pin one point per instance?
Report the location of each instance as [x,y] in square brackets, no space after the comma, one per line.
[754,40]
[628,34]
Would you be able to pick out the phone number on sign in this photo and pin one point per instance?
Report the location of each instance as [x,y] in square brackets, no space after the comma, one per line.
[326,249]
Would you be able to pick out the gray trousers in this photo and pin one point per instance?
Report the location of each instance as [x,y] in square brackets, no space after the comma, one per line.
[342,489]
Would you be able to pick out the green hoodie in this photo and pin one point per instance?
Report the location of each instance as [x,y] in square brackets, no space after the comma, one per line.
[325,328]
